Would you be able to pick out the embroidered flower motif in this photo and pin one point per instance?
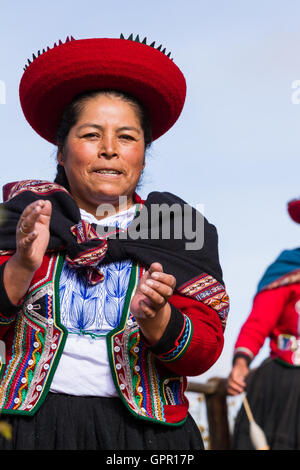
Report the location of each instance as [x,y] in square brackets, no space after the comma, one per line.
[93,309]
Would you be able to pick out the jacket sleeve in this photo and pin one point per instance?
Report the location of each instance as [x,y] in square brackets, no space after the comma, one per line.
[8,311]
[7,308]
[193,339]
[267,307]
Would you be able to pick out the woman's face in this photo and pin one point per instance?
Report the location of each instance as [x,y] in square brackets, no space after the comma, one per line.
[103,155]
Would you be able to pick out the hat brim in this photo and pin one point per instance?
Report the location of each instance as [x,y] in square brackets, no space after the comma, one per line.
[58,75]
[293,208]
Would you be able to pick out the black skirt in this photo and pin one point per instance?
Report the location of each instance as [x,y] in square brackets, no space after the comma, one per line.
[273,393]
[67,422]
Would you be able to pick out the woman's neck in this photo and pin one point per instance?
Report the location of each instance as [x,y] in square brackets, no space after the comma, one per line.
[105,208]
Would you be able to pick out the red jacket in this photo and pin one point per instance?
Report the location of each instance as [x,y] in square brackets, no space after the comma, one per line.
[150,380]
[275,314]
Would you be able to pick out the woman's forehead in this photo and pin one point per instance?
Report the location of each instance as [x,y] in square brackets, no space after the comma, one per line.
[105,107]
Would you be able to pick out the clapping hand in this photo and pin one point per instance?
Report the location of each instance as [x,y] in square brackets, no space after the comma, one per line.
[150,305]
[32,236]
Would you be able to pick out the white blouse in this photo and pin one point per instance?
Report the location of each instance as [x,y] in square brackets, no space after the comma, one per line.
[89,313]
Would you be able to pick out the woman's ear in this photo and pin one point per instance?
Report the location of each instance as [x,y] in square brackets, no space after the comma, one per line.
[60,156]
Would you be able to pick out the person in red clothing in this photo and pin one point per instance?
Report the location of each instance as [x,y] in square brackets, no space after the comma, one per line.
[104,315]
[273,389]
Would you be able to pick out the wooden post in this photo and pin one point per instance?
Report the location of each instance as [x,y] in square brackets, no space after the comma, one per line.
[217,412]
[217,416]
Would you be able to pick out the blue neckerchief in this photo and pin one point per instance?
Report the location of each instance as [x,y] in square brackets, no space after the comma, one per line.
[287,261]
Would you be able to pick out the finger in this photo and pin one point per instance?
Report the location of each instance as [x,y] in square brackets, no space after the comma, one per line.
[156,272]
[40,207]
[165,278]
[27,225]
[157,300]
[147,310]
[235,390]
[45,207]
[232,391]
[155,267]
[236,386]
[231,388]
[162,288]
[237,379]
[27,222]
[26,242]
[28,209]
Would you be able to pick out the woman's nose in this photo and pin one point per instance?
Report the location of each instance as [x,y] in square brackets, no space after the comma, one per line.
[108,147]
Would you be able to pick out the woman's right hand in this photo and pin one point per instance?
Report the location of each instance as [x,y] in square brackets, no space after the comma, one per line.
[32,239]
[33,234]
[236,383]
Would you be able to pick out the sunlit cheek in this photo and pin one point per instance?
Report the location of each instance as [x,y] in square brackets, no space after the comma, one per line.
[81,159]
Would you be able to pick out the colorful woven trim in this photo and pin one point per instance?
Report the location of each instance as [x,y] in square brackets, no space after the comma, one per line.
[38,342]
[206,289]
[137,372]
[5,320]
[244,351]
[90,258]
[11,190]
[287,342]
[285,280]
[181,344]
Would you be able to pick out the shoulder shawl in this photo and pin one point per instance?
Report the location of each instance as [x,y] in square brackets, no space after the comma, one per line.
[165,230]
[283,271]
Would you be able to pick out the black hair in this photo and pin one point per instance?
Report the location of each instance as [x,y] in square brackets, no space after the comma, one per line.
[71,115]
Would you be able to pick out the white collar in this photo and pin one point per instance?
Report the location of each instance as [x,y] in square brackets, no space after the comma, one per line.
[110,220]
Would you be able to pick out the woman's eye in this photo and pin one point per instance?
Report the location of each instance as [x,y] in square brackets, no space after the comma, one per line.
[90,134]
[127,137]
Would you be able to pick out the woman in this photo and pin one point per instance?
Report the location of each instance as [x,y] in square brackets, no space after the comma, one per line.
[102,320]
[273,388]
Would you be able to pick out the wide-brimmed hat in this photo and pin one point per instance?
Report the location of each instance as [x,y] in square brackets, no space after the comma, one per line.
[54,77]
[293,208]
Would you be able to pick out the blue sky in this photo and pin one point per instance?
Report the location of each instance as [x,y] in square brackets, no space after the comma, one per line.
[235,148]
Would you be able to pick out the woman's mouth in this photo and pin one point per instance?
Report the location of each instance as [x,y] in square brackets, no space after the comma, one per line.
[108,172]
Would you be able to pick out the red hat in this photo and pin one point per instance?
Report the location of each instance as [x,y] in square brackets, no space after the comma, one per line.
[56,76]
[294,210]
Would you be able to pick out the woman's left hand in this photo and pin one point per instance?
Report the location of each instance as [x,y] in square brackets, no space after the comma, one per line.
[149,304]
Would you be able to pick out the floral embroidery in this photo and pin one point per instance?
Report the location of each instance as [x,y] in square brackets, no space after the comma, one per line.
[94,309]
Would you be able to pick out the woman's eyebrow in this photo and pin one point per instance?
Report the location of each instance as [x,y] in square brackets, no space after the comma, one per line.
[123,128]
[90,124]
[129,128]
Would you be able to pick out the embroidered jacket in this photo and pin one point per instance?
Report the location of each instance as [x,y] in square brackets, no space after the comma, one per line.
[276,315]
[151,380]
